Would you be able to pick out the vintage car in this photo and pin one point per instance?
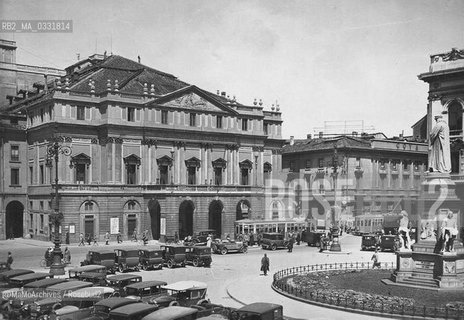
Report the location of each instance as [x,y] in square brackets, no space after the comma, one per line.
[173,313]
[133,311]
[261,311]
[201,237]
[226,246]
[151,259]
[74,273]
[127,259]
[313,238]
[102,309]
[97,278]
[87,297]
[183,293]
[389,242]
[118,282]
[7,275]
[369,242]
[69,313]
[198,256]
[42,284]
[273,241]
[24,279]
[173,255]
[17,301]
[104,258]
[38,309]
[68,286]
[145,290]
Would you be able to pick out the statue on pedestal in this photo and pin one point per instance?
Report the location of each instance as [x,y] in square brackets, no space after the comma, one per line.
[449,232]
[439,149]
[403,231]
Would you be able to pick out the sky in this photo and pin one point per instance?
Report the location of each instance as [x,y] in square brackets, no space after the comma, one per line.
[320,60]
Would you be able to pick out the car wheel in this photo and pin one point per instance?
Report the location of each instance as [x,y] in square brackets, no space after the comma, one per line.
[121,268]
[183,263]
[318,244]
[244,250]
[145,266]
[173,303]
[273,247]
[170,264]
[196,262]
[224,251]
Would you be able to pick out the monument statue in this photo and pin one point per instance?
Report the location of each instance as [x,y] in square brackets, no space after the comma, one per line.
[439,150]
[449,232]
[403,231]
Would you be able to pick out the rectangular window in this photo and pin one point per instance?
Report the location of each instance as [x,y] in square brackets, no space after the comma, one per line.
[31,174]
[31,221]
[266,129]
[131,172]
[191,179]
[308,164]
[80,113]
[41,222]
[31,207]
[14,153]
[41,205]
[405,165]
[164,116]
[42,115]
[163,177]
[219,122]
[358,163]
[321,162]
[244,177]
[131,114]
[218,176]
[42,174]
[292,166]
[244,124]
[193,119]
[15,176]
[80,173]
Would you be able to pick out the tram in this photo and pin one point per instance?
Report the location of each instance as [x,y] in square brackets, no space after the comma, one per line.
[247,226]
[368,223]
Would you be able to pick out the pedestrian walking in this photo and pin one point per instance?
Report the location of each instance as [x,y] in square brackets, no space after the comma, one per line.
[67,256]
[81,240]
[290,244]
[298,238]
[88,238]
[95,240]
[134,236]
[265,264]
[107,238]
[9,261]
[209,241]
[145,237]
[375,259]
[119,237]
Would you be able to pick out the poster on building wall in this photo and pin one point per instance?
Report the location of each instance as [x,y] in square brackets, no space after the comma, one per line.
[163,226]
[114,225]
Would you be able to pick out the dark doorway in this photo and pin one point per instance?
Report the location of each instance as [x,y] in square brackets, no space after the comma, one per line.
[243,210]
[131,225]
[215,217]
[14,220]
[155,218]
[89,225]
[186,219]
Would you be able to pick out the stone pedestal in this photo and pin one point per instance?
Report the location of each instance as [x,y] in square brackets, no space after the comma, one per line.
[427,265]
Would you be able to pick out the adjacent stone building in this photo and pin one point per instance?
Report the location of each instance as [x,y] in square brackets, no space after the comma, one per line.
[149,152]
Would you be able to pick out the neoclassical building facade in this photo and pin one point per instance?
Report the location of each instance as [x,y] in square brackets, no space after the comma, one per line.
[149,152]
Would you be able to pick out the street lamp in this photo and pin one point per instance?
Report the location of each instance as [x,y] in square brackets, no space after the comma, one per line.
[53,151]
[335,228]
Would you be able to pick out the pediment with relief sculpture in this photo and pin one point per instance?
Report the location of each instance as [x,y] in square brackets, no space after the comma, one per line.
[194,99]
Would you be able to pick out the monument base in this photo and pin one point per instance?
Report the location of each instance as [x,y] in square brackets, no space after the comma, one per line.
[423,267]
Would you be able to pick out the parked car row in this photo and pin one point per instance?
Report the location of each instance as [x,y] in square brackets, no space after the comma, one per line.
[122,297]
[123,260]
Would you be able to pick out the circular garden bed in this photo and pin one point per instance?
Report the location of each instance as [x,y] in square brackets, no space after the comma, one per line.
[363,289]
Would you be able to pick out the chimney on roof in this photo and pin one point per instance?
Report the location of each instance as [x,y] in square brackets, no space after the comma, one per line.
[354,133]
[138,59]
[255,102]
[321,134]
[292,140]
[78,56]
[223,93]
[309,136]
[218,92]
